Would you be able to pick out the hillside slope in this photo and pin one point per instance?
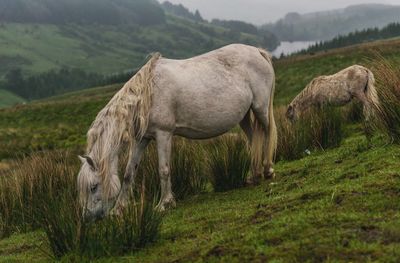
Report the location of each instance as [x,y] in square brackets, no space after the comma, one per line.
[106,48]
[337,205]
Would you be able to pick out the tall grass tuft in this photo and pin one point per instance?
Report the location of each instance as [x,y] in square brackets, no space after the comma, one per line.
[189,170]
[43,190]
[37,178]
[315,129]
[229,162]
[387,75]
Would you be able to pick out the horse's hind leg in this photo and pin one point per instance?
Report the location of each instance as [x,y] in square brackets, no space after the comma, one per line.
[367,111]
[261,113]
[245,124]
[247,128]
[164,145]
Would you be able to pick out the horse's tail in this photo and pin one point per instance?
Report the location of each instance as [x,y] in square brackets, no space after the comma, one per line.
[265,139]
[371,93]
[272,140]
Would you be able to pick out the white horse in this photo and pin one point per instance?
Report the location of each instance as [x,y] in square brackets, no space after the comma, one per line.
[355,82]
[197,98]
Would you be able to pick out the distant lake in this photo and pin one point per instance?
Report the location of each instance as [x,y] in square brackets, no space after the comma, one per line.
[288,48]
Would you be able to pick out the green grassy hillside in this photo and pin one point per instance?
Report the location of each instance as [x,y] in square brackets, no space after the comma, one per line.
[338,205]
[8,99]
[106,48]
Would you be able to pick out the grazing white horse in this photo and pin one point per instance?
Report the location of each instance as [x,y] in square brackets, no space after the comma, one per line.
[197,98]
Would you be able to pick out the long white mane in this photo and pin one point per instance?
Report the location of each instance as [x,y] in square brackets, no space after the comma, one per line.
[123,120]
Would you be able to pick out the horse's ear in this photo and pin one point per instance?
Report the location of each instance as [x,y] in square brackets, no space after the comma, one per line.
[83,160]
[89,160]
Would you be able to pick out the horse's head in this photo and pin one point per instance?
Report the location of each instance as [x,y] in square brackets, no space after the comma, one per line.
[291,112]
[95,203]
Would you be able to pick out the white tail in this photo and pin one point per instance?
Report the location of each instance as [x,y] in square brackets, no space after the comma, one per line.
[264,142]
[371,93]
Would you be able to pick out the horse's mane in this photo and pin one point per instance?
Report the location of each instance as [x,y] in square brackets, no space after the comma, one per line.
[310,88]
[123,120]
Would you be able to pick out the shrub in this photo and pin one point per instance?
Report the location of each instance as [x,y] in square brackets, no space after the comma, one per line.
[42,194]
[315,129]
[388,84]
[188,169]
[37,178]
[229,162]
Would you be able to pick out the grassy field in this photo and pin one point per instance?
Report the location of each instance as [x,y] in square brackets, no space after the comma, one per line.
[336,205]
[340,205]
[8,99]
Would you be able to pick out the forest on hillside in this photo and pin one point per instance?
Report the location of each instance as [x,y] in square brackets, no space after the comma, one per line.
[329,24]
[367,35]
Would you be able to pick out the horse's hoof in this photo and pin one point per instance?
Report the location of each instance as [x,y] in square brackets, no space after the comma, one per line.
[270,174]
[253,181]
[166,204]
[117,212]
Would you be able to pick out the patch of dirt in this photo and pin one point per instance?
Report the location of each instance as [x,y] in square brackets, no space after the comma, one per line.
[16,250]
[265,212]
[373,234]
[243,256]
[349,176]
[312,196]
[192,256]
[370,233]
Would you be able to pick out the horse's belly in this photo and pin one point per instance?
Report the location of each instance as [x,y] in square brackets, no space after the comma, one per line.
[212,116]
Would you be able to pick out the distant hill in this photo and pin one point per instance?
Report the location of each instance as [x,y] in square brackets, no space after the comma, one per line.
[8,99]
[100,36]
[143,12]
[329,24]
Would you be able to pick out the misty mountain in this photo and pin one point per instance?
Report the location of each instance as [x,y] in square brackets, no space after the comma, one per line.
[182,11]
[109,12]
[329,24]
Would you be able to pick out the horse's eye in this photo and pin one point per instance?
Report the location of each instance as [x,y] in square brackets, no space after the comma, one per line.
[93,189]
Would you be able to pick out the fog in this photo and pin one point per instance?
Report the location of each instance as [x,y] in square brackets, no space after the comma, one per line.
[263,11]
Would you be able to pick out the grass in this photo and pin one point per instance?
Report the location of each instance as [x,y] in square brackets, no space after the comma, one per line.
[316,129]
[334,205]
[389,94]
[338,205]
[41,194]
[229,162]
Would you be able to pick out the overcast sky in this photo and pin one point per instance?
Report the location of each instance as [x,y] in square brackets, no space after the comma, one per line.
[263,11]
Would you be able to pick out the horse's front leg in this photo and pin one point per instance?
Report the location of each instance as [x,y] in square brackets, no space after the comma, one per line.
[135,156]
[164,145]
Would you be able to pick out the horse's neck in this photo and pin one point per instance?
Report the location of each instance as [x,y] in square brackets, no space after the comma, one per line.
[305,99]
